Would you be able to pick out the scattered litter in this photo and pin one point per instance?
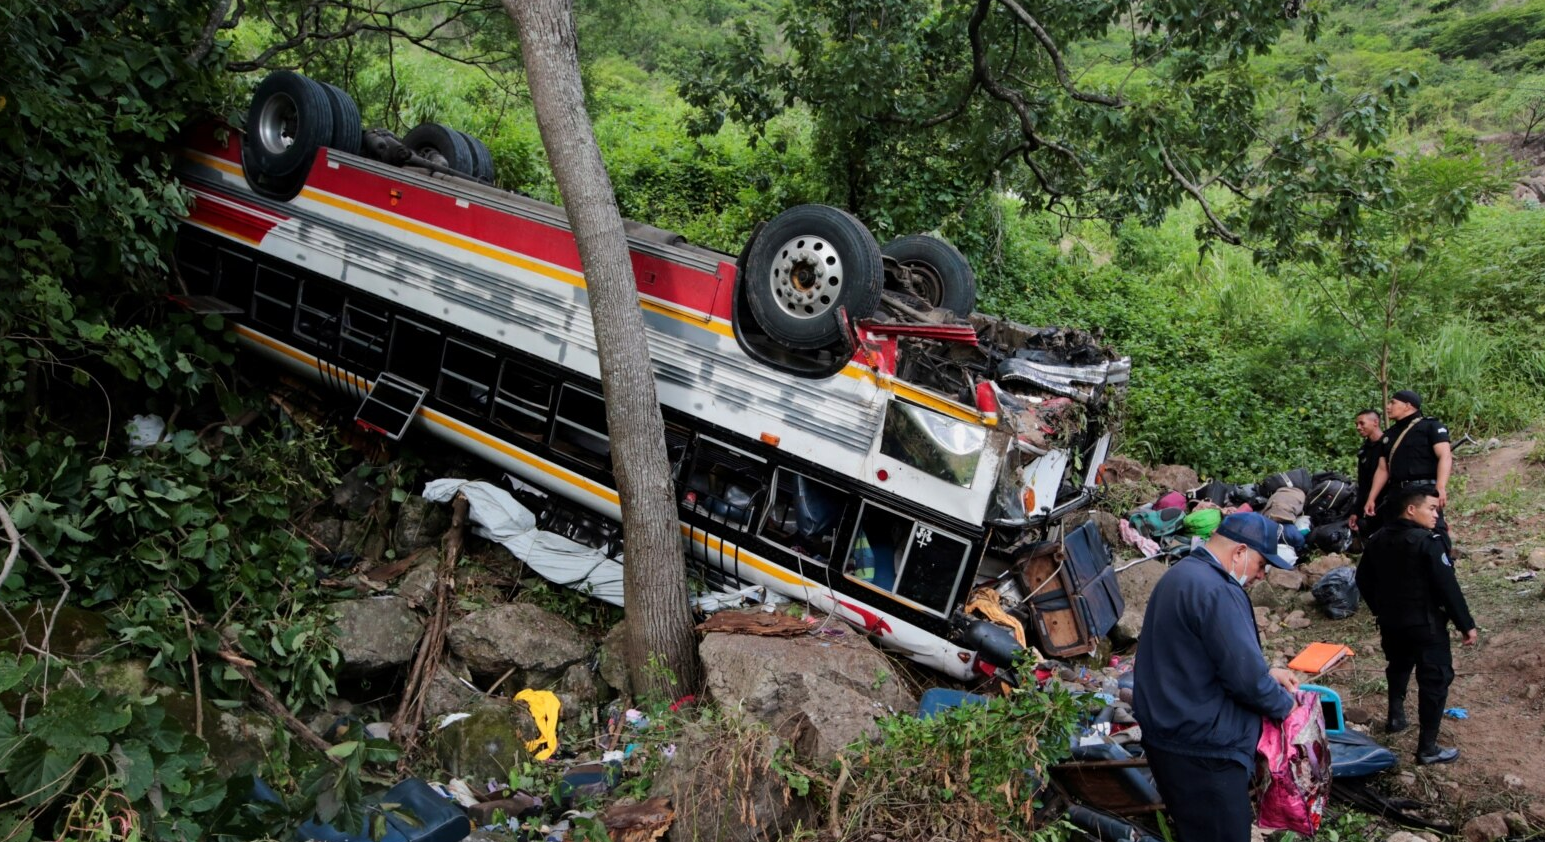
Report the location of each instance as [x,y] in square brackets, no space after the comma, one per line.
[1457,713]
[1320,657]
[451,719]
[458,790]
[144,431]
[545,708]
[638,822]
[1522,577]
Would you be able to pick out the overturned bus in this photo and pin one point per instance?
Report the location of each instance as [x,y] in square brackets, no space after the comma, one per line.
[836,436]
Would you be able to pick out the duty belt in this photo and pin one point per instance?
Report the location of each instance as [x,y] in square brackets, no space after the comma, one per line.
[1409,482]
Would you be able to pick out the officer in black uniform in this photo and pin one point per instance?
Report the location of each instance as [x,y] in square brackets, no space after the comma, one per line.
[1407,579]
[1369,427]
[1415,451]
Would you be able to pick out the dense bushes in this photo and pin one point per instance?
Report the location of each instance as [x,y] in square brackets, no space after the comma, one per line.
[1491,32]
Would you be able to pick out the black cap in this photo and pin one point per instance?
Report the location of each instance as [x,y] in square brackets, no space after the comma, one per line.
[1408,396]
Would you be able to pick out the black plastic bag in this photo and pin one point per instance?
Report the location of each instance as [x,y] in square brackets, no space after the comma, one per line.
[1336,593]
[1334,537]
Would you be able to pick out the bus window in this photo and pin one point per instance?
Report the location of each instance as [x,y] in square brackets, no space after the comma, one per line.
[932,569]
[725,484]
[466,377]
[196,262]
[804,515]
[318,315]
[364,334]
[932,442]
[273,299]
[236,275]
[523,399]
[415,352]
[581,428]
[895,553]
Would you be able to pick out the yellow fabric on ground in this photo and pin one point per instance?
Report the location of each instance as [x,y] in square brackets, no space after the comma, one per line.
[544,709]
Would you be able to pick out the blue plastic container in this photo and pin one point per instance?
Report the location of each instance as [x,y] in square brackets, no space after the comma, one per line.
[439,819]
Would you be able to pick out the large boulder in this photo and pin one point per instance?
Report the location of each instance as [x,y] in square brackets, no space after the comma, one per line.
[1137,583]
[75,633]
[1486,828]
[537,644]
[417,585]
[759,807]
[819,693]
[613,658]
[376,633]
[487,743]
[1320,566]
[419,525]
[1174,478]
[449,691]
[1123,469]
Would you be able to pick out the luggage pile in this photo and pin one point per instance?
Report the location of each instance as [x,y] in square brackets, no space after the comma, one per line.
[1314,510]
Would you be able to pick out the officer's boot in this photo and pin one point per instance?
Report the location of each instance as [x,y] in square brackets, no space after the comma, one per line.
[1397,715]
[1428,751]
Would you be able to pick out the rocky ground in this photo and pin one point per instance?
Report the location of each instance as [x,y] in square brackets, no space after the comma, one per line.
[1497,516]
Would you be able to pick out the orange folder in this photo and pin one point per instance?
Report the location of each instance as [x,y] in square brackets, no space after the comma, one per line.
[1319,657]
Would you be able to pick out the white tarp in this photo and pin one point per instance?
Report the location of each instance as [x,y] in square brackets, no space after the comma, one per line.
[497,516]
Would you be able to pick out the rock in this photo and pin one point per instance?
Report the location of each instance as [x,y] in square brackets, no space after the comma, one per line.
[1358,715]
[488,743]
[1262,617]
[538,644]
[1174,478]
[1320,566]
[1121,469]
[329,532]
[417,585]
[419,525]
[1297,620]
[77,633]
[759,806]
[1517,825]
[376,633]
[1403,836]
[819,693]
[1536,559]
[1535,812]
[613,658]
[1407,779]
[1110,528]
[1128,628]
[1485,828]
[1137,582]
[362,538]
[1532,692]
[448,693]
[1264,595]
[577,692]
[357,492]
[1512,781]
[1288,580]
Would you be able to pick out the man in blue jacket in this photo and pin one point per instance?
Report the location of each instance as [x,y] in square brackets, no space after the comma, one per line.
[1202,684]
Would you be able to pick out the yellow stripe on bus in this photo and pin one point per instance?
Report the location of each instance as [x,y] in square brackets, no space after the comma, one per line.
[576,279]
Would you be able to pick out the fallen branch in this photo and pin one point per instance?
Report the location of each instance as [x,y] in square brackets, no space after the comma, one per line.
[271,703]
[431,647]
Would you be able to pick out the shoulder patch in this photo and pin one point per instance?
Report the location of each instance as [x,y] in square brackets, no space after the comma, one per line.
[1443,430]
[1446,562]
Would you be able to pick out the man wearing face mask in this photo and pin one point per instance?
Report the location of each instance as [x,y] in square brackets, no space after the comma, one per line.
[1202,683]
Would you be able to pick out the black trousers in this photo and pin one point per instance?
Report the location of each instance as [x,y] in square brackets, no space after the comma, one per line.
[1205,799]
[1428,655]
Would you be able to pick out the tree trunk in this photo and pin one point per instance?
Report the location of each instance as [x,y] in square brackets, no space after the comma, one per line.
[659,618]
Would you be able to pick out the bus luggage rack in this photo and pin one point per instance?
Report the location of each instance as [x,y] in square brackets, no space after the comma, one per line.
[390,406]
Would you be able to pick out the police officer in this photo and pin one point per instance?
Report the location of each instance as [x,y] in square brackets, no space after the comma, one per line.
[1407,579]
[1415,451]
[1369,427]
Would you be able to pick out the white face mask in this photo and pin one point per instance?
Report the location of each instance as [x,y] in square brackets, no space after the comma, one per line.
[1240,579]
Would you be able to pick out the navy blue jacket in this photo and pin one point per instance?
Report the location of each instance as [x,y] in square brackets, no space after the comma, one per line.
[1202,683]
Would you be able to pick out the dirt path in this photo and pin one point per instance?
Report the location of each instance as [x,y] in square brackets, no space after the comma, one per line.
[1497,515]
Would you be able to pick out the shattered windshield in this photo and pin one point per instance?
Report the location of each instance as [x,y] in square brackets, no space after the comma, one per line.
[934,443]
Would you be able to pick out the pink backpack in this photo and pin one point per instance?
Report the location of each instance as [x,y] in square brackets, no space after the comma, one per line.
[1293,758]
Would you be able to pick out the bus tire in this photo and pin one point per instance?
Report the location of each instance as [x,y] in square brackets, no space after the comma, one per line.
[940,273]
[807,262]
[442,145]
[346,125]
[291,117]
[482,159]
